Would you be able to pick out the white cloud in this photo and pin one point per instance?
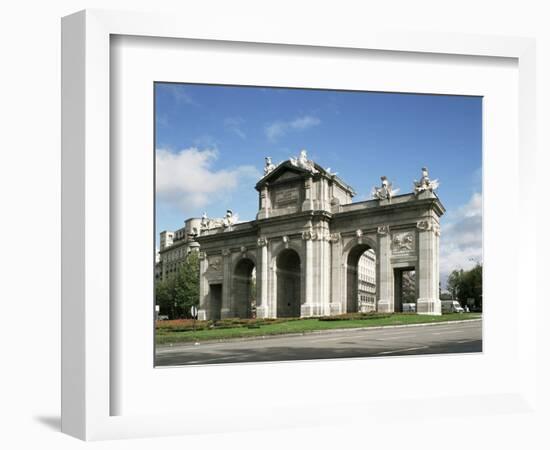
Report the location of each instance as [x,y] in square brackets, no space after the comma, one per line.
[181,96]
[278,129]
[234,124]
[186,180]
[461,238]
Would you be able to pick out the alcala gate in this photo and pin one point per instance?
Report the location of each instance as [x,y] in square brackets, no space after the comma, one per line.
[306,242]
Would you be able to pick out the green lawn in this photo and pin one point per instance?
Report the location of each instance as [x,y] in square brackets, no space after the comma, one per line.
[168,334]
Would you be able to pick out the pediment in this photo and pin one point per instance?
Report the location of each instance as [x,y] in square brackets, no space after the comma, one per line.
[284,172]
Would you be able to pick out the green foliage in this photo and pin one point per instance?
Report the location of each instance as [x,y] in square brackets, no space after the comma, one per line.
[467,284]
[178,293]
[354,316]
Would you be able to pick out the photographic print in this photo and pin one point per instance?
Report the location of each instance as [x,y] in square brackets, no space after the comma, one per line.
[303,224]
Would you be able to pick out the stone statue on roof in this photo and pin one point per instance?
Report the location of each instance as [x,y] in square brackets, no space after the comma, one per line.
[269,166]
[303,162]
[385,191]
[425,184]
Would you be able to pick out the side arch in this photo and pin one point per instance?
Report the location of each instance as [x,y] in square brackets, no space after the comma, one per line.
[244,288]
[360,268]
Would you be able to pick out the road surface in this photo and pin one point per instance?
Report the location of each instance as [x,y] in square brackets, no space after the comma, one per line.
[461,337]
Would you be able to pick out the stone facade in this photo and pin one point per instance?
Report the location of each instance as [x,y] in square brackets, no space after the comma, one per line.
[306,244]
[174,248]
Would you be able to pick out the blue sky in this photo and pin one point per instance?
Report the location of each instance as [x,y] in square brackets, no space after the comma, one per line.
[211,142]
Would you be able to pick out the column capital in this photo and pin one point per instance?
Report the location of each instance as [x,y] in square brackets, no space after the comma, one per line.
[262,241]
[429,225]
[226,252]
[309,235]
[383,230]
[202,256]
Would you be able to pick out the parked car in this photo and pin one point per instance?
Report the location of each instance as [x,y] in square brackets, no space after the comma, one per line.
[409,307]
[451,306]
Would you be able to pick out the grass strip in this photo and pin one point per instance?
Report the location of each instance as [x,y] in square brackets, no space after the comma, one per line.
[167,335]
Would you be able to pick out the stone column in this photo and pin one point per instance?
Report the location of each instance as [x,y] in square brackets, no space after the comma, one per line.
[262,311]
[336,272]
[306,309]
[326,261]
[226,310]
[203,287]
[427,275]
[385,271]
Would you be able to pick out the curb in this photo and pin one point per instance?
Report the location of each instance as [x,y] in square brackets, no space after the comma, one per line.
[333,331]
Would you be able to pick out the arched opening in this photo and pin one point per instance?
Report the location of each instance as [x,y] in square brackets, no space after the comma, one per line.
[288,284]
[361,279]
[244,289]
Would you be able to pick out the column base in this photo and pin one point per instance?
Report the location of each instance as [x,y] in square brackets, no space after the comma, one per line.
[428,306]
[385,306]
[335,309]
[311,310]
[201,314]
[262,312]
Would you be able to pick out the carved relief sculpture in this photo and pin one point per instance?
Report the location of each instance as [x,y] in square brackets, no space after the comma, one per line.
[402,242]
[214,264]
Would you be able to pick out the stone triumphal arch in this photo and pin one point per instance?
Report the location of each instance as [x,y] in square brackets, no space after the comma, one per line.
[306,242]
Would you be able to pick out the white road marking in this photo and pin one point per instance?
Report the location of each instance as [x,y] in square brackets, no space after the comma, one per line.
[402,350]
[449,332]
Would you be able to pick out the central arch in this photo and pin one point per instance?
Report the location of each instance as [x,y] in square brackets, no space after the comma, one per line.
[288,284]
[244,289]
[361,279]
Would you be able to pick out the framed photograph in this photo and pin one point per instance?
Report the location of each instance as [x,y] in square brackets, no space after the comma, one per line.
[287,228]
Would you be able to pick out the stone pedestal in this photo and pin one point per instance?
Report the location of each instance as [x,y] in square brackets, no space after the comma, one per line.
[262,312]
[428,306]
[335,309]
[311,310]
[201,315]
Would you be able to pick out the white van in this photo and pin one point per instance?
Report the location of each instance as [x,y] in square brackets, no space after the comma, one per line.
[451,306]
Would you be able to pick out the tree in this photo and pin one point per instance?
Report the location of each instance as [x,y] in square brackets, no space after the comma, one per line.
[453,282]
[163,297]
[467,284]
[178,293]
[408,286]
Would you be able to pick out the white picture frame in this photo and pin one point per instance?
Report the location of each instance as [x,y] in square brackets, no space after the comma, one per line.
[88,328]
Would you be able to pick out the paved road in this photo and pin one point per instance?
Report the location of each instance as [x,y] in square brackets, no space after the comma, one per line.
[463,337]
